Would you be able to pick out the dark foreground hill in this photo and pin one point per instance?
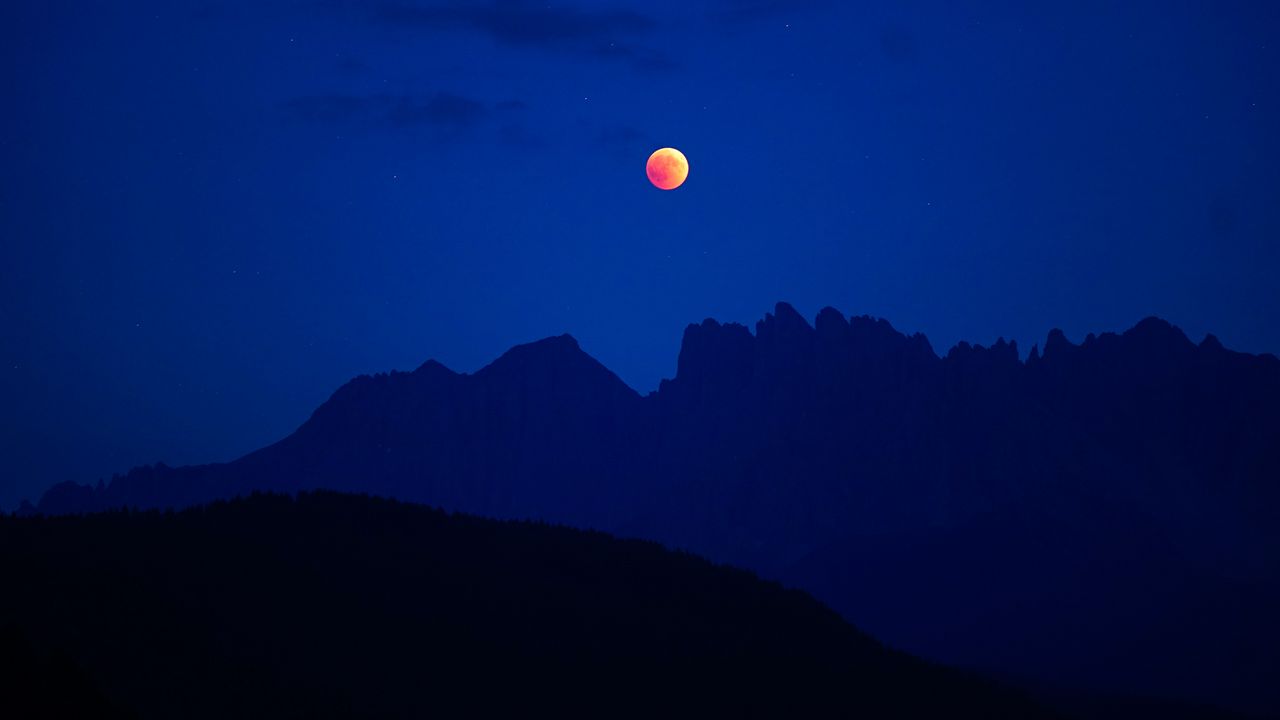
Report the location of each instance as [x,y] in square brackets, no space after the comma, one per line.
[331,605]
[1103,515]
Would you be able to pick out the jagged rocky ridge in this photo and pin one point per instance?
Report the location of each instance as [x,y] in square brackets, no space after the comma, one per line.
[1115,493]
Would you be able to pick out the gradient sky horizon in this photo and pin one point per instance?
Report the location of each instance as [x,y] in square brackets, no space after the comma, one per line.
[212,214]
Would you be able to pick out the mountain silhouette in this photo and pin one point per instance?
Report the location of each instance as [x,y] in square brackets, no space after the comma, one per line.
[329,605]
[1104,514]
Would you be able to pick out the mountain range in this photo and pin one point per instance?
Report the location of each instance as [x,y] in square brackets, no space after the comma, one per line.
[1102,515]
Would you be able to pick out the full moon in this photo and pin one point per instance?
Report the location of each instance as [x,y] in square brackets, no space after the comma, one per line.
[667,168]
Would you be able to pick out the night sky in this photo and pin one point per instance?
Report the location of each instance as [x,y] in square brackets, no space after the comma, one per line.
[212,214]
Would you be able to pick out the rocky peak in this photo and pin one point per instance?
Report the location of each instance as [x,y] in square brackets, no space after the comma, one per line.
[1154,334]
[1057,344]
[783,325]
[433,368]
[711,349]
[551,363]
[831,324]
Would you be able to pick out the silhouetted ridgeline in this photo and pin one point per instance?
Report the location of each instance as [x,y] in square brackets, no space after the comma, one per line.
[334,605]
[1105,514]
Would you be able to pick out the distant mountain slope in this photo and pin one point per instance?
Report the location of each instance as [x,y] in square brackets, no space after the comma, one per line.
[1108,606]
[334,605]
[539,432]
[830,453]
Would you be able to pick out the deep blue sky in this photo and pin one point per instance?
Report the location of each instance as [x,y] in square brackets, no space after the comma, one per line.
[212,214]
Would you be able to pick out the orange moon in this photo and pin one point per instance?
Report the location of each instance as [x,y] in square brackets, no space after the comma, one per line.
[667,168]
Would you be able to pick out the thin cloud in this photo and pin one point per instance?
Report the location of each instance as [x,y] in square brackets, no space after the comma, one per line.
[621,135]
[442,110]
[604,34]
[519,23]
[736,11]
[336,108]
